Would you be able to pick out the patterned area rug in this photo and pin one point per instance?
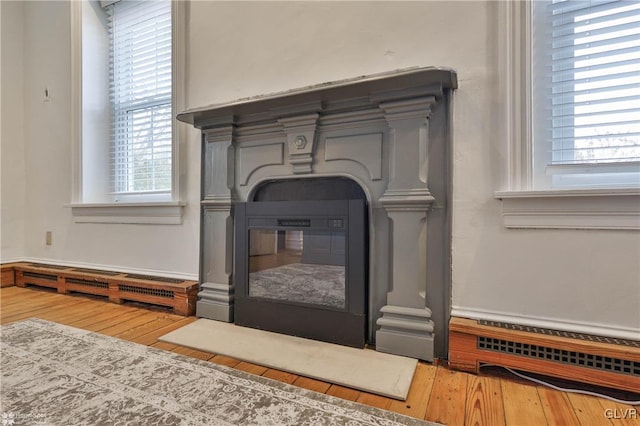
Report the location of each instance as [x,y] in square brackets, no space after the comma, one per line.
[303,283]
[55,374]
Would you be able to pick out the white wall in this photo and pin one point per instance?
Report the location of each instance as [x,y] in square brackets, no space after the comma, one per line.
[168,249]
[12,179]
[575,279]
[243,49]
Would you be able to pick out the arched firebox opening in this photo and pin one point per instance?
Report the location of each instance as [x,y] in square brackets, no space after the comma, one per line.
[318,188]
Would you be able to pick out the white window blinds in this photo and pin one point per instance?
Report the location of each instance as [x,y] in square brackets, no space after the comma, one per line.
[140,94]
[586,91]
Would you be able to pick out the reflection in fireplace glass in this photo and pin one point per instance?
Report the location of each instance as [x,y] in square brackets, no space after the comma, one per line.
[306,266]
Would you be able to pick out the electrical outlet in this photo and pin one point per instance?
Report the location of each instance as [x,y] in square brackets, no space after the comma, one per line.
[48,238]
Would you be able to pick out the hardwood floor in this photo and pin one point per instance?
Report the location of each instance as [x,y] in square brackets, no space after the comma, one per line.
[268,261]
[436,394]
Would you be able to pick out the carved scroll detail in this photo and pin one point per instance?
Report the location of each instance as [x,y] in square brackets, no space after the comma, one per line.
[301,136]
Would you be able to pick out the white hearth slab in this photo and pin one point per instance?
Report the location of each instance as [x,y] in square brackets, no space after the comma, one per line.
[362,369]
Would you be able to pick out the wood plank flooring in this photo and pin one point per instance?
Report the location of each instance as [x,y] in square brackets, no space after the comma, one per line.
[436,393]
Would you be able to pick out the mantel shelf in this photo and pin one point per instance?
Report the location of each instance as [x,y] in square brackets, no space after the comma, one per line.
[370,88]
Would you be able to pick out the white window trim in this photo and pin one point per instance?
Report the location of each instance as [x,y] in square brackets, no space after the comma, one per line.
[167,213]
[522,205]
[572,209]
[143,212]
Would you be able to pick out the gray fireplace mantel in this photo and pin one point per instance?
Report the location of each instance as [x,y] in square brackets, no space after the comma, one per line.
[390,134]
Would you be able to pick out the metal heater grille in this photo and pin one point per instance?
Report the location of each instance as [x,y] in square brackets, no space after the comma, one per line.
[95,284]
[580,359]
[40,276]
[147,291]
[560,333]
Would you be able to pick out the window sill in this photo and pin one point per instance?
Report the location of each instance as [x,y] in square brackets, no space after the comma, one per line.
[161,213]
[572,209]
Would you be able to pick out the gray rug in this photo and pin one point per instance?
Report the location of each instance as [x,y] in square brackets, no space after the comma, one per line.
[302,283]
[55,374]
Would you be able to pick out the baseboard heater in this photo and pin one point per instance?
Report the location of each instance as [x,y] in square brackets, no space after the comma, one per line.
[117,287]
[597,360]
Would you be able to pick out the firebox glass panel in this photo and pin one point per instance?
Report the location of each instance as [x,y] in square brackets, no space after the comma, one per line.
[298,266]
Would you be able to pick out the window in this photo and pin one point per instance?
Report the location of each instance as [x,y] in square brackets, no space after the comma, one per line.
[140,97]
[128,65]
[585,67]
[571,92]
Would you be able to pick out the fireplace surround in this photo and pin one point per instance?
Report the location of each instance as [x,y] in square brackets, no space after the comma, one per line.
[390,134]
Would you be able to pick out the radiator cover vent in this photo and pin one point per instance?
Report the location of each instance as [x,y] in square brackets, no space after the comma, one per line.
[87,283]
[148,291]
[559,333]
[579,359]
[41,276]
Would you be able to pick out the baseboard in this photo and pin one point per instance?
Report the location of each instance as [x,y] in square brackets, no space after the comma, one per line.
[117,287]
[549,323]
[603,361]
[122,269]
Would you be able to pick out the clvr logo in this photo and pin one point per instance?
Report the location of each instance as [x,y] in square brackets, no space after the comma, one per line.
[621,413]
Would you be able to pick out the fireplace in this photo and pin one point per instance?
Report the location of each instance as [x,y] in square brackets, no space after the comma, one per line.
[382,142]
[301,255]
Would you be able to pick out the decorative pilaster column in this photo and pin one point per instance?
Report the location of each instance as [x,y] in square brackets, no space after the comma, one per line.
[406,327]
[215,299]
[301,135]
